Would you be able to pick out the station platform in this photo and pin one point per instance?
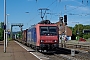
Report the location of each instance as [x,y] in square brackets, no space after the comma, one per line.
[15,52]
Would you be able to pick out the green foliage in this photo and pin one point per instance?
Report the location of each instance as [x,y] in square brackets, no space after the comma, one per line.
[1,34]
[19,34]
[86,36]
[77,30]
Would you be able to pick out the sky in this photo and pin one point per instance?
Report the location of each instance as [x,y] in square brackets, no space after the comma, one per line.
[28,13]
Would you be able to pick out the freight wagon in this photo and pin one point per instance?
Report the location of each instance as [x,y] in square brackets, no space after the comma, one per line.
[24,37]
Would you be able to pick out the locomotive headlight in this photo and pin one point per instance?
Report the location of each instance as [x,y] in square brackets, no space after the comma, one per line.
[55,40]
[42,40]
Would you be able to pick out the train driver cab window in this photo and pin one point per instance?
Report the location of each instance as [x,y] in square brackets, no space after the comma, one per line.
[43,29]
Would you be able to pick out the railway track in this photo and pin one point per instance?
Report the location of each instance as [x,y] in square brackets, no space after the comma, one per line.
[79,56]
[83,56]
[66,55]
[81,46]
[60,54]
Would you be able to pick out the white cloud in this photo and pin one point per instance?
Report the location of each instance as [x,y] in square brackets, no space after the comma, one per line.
[80,8]
[84,8]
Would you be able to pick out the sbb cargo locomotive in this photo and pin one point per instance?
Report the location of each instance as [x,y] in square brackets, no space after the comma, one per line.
[42,36]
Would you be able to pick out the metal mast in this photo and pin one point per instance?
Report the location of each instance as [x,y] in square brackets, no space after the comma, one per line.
[4,26]
[43,14]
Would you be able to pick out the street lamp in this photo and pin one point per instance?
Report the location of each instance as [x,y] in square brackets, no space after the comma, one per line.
[27,13]
[4,26]
[7,29]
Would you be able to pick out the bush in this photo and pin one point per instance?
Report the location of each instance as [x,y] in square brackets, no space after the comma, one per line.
[86,36]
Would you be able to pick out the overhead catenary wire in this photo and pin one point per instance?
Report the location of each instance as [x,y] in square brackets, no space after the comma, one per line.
[75,7]
[56,8]
[65,7]
[62,12]
[86,2]
[45,11]
[35,16]
[81,14]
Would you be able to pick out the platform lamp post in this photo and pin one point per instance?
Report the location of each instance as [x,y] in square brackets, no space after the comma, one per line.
[4,26]
[27,13]
[7,29]
[78,32]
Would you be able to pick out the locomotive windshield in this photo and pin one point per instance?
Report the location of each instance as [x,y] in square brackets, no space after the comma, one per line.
[48,30]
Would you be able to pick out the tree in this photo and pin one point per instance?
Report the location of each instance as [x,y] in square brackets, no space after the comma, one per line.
[1,34]
[77,31]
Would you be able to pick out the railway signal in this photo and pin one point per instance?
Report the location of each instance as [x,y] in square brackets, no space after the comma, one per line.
[65,19]
[61,19]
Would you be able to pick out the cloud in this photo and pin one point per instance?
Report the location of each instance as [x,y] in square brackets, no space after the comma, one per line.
[84,8]
[80,8]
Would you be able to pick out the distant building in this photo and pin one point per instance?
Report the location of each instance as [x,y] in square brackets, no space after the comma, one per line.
[64,31]
[1,24]
[86,31]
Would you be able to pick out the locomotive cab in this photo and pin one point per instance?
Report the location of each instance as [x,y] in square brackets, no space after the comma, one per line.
[48,37]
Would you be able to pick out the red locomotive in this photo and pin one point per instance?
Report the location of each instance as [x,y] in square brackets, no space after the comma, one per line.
[43,36]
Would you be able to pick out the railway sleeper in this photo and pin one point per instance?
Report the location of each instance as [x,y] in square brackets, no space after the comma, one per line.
[85,46]
[77,45]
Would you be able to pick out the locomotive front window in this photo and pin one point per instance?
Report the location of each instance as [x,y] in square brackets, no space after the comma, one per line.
[44,29]
[48,30]
[52,29]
